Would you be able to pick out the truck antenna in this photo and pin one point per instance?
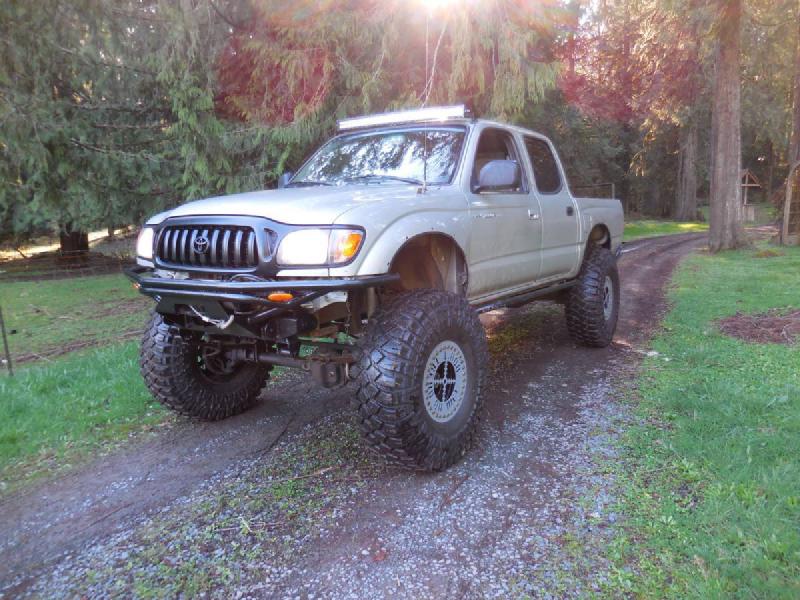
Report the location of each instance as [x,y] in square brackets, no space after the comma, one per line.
[424,187]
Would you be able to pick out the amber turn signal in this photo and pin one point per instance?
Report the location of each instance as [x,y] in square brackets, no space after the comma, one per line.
[279,297]
[345,245]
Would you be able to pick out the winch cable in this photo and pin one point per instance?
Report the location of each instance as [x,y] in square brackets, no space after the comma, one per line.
[219,323]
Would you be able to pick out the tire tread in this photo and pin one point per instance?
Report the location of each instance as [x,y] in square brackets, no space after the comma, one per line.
[388,375]
[164,361]
[586,322]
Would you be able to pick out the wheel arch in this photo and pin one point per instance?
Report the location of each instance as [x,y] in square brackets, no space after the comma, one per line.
[431,260]
[600,235]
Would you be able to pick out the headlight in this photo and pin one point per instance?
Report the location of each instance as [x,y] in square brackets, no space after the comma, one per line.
[144,244]
[319,247]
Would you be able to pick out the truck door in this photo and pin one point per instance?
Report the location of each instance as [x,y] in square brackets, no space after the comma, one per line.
[560,220]
[505,225]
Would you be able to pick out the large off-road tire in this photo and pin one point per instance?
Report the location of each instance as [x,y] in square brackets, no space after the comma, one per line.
[592,305]
[421,379]
[175,373]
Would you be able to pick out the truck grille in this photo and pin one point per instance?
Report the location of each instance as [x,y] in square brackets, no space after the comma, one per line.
[213,246]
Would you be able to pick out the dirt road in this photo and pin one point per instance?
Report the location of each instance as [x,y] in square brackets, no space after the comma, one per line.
[285,502]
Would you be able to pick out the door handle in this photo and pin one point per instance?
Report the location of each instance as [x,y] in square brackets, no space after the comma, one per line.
[570,211]
[533,216]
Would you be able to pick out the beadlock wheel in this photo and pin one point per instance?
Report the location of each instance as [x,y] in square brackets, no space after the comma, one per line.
[608,298]
[445,383]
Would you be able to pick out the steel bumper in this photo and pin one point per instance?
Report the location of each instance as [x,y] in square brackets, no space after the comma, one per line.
[256,292]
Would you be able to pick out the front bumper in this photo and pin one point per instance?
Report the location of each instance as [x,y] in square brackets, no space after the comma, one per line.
[304,290]
[211,296]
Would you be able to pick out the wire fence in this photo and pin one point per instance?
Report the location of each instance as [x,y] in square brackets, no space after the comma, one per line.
[60,265]
[53,303]
[598,190]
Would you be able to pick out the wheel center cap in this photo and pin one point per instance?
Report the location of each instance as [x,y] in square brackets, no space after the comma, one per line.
[445,381]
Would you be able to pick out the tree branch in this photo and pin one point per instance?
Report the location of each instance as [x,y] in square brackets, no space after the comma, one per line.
[224,17]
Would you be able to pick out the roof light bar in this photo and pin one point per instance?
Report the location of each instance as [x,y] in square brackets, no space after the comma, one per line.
[434,113]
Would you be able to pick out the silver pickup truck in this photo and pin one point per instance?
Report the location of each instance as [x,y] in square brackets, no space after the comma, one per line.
[371,264]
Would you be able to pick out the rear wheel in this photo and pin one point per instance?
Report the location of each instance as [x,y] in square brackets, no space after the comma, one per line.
[593,303]
[421,379]
[194,379]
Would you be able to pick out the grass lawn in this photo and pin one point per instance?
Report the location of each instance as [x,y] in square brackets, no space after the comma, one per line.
[764,213]
[62,411]
[50,315]
[711,483]
[635,230]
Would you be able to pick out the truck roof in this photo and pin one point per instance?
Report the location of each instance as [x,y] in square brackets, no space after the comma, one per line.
[434,115]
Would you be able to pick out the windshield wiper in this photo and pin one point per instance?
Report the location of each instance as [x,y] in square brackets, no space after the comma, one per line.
[307,182]
[375,176]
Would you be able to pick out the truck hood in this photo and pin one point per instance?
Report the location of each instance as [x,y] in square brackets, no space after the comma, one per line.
[296,206]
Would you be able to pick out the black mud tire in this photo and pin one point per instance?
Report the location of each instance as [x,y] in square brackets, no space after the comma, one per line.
[402,341]
[591,315]
[171,370]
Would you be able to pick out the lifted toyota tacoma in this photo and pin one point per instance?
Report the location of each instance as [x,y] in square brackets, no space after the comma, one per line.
[371,264]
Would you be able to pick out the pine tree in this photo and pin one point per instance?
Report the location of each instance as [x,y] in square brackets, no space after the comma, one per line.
[310,66]
[107,114]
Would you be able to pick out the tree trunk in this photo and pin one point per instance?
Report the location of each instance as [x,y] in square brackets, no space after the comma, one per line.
[626,156]
[726,150]
[686,198]
[73,242]
[794,145]
[770,171]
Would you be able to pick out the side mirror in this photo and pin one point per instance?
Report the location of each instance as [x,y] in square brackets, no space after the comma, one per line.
[284,179]
[497,175]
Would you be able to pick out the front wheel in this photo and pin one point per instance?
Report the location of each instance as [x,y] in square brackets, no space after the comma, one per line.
[421,379]
[593,303]
[187,378]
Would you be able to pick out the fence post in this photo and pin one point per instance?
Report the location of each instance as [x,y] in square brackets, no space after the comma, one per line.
[5,343]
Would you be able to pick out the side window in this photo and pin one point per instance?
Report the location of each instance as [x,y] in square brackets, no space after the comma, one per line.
[545,169]
[496,144]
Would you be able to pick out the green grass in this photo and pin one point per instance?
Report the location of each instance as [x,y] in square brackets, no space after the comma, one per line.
[764,213]
[635,230]
[49,315]
[63,411]
[711,484]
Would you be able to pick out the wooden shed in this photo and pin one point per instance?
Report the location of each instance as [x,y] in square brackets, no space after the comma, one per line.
[748,180]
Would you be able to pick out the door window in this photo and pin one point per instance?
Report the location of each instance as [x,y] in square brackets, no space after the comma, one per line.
[545,168]
[496,144]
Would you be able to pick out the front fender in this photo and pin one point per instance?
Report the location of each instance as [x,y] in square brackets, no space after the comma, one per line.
[379,254]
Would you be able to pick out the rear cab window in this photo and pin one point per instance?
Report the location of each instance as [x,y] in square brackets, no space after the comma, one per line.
[545,167]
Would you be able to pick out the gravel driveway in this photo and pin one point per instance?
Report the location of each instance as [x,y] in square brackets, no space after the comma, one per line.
[284,501]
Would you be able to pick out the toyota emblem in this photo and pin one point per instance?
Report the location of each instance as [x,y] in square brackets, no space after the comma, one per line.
[200,244]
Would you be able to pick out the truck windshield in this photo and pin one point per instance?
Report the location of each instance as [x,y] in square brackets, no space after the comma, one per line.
[388,156]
